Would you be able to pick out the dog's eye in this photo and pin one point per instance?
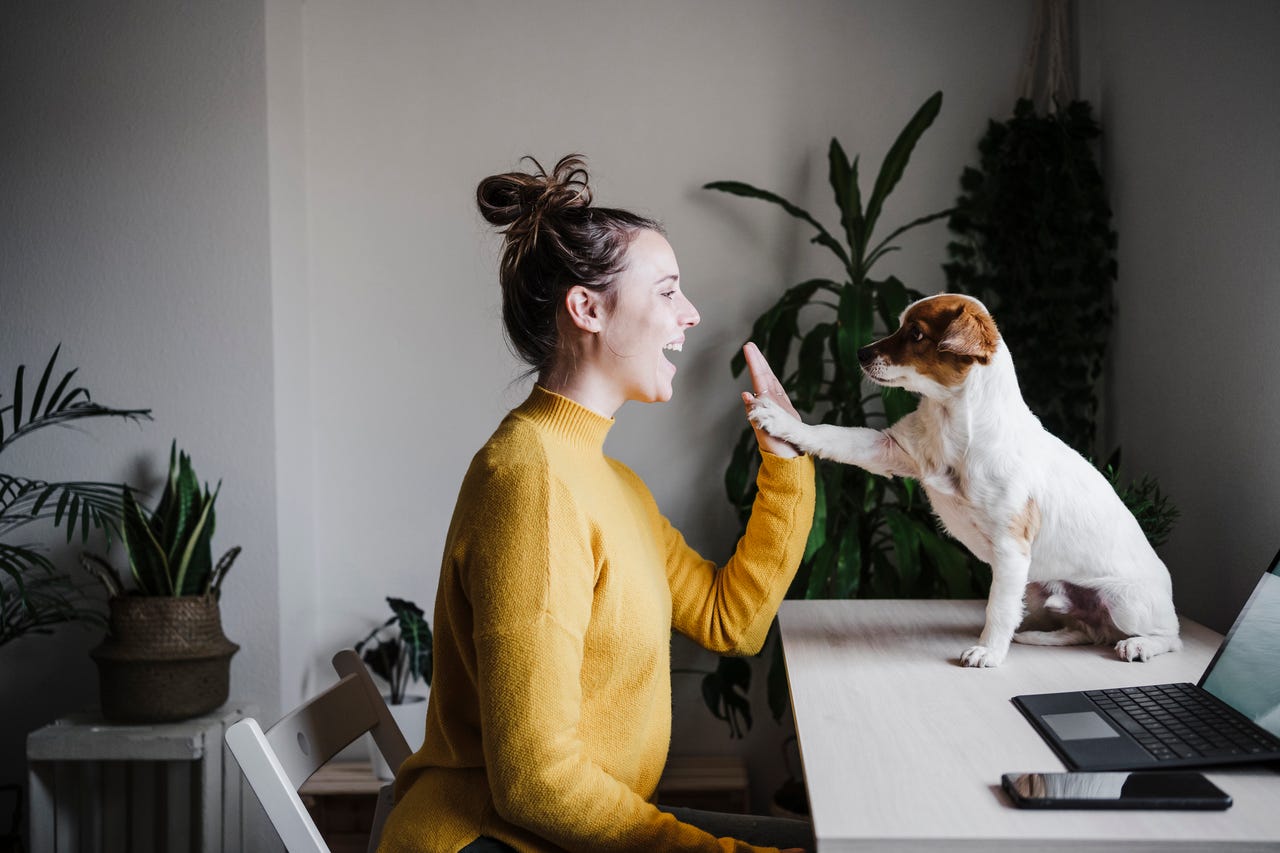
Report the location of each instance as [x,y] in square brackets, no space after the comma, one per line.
[915,334]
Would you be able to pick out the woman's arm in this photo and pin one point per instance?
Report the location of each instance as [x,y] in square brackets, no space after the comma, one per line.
[729,609]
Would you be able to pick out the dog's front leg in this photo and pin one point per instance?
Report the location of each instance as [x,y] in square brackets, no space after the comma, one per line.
[1009,568]
[871,449]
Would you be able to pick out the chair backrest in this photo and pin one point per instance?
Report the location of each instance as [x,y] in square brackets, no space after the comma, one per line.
[278,761]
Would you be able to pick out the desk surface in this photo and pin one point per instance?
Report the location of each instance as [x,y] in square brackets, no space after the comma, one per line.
[903,748]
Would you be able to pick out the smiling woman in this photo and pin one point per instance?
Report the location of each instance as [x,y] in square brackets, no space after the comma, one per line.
[550,711]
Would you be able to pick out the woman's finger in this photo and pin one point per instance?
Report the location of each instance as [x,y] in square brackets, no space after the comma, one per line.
[764,380]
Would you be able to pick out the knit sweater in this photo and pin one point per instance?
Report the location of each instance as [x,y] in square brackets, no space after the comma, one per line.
[550,711]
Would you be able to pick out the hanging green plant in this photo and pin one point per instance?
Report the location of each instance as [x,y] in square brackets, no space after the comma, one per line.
[871,536]
[1034,242]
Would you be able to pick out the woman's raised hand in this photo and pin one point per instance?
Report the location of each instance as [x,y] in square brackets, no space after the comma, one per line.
[766,384]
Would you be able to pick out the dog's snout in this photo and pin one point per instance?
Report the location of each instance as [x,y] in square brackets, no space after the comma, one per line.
[866,355]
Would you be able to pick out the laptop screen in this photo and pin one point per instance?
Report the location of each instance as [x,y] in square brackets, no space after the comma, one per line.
[1246,672]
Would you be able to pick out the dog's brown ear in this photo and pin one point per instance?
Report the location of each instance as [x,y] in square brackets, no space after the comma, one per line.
[973,333]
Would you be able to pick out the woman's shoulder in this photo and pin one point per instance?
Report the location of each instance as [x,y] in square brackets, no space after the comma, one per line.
[515,449]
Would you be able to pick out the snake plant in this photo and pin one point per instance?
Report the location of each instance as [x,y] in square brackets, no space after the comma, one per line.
[169,548]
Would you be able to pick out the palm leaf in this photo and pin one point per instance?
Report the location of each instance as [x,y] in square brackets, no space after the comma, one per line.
[58,410]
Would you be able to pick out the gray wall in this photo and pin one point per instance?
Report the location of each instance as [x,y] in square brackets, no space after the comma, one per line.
[1187,92]
[257,219]
[134,221]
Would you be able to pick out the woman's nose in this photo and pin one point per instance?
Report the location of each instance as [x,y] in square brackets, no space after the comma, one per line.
[689,315]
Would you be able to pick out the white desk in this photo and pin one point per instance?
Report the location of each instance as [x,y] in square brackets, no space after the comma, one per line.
[903,748]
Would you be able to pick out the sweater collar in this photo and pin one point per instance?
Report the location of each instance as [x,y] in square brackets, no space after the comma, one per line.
[576,424]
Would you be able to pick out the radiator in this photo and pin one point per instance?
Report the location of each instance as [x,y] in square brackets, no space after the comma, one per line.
[97,787]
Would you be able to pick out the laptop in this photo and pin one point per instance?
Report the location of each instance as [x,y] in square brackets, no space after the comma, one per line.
[1231,716]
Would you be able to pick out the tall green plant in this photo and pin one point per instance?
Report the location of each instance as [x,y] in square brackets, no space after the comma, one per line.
[871,536]
[34,595]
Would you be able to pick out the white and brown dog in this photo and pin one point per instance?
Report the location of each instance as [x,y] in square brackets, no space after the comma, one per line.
[1051,527]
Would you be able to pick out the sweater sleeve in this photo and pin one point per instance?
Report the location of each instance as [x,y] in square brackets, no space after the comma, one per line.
[729,609]
[531,582]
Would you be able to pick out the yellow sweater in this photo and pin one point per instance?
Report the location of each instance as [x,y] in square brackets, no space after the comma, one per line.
[550,710]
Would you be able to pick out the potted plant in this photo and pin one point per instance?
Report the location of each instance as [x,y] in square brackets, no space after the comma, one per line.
[872,537]
[399,652]
[34,595]
[165,657]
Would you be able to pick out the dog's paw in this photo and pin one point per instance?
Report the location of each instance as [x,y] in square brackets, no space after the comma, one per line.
[773,419]
[981,656]
[1137,649]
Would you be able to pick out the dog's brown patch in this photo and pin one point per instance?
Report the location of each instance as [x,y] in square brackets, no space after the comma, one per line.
[1025,526]
[942,338]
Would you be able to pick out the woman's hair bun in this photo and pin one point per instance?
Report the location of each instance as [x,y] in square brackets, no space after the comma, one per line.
[517,201]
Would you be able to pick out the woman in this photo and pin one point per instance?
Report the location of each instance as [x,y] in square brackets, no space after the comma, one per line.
[550,711]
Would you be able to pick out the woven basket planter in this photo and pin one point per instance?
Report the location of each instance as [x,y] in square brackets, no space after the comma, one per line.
[164,659]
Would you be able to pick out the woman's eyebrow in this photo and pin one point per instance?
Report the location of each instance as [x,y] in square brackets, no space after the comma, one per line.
[673,277]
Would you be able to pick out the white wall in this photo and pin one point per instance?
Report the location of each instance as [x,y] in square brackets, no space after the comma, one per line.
[408,105]
[1190,145]
[133,215]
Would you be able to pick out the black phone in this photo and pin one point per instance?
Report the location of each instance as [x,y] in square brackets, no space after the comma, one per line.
[1147,789]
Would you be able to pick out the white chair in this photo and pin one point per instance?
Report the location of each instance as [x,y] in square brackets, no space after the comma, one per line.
[277,762]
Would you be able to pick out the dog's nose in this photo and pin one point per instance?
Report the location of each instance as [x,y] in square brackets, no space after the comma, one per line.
[866,355]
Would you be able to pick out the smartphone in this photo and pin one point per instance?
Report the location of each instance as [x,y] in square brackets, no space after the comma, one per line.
[1148,789]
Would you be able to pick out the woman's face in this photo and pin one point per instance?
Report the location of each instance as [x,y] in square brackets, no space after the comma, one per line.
[649,316]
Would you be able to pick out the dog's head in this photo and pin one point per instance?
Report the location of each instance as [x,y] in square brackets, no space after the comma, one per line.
[940,340]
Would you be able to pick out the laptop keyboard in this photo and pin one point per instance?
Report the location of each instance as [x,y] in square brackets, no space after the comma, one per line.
[1173,721]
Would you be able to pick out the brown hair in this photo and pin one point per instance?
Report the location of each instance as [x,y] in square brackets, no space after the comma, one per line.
[554,240]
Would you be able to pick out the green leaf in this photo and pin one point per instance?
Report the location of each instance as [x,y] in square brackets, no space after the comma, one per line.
[895,162]
[17,398]
[147,558]
[843,176]
[884,246]
[855,319]
[56,396]
[725,694]
[823,238]
[818,531]
[891,301]
[810,370]
[953,564]
[415,638]
[848,571]
[738,482]
[44,382]
[897,402]
[905,546]
[194,564]
[821,568]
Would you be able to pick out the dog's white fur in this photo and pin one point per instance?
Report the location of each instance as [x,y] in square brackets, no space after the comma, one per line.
[1047,522]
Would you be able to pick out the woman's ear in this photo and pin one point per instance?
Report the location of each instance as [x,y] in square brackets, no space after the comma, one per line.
[585,309]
